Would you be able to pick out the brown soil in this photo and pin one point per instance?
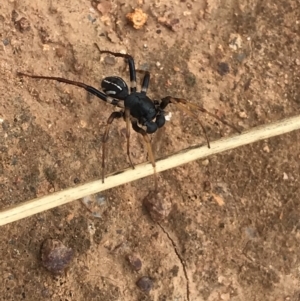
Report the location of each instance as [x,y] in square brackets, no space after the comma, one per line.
[234,225]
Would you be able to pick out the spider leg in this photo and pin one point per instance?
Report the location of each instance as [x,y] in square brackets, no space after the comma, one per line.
[167,100]
[149,148]
[193,106]
[127,120]
[146,81]
[132,72]
[111,118]
[90,89]
[190,108]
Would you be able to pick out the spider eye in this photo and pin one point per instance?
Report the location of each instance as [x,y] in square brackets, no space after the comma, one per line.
[115,87]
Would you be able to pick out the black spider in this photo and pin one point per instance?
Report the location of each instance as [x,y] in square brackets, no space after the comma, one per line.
[144,114]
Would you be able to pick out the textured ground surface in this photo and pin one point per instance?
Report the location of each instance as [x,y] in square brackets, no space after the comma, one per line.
[234,217]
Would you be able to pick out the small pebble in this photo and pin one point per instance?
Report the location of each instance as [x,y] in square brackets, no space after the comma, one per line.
[137,18]
[190,79]
[22,24]
[5,42]
[205,162]
[266,149]
[168,116]
[158,205]
[243,115]
[145,284]
[55,256]
[46,47]
[223,68]
[110,60]
[134,261]
[235,41]
[158,64]
[83,123]
[60,51]
[207,186]
[91,19]
[104,7]
[76,181]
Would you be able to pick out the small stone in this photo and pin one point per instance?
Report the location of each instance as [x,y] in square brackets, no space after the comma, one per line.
[22,24]
[91,19]
[83,123]
[235,41]
[243,115]
[104,7]
[158,64]
[205,162]
[240,57]
[60,51]
[158,205]
[172,24]
[110,60]
[219,200]
[168,116]
[134,261]
[266,149]
[55,256]
[187,13]
[285,176]
[137,18]
[46,47]
[145,284]
[225,297]
[207,186]
[190,79]
[76,181]
[223,68]
[5,42]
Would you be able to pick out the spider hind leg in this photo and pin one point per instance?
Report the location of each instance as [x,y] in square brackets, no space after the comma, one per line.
[190,108]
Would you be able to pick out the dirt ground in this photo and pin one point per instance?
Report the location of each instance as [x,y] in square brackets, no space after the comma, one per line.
[235,217]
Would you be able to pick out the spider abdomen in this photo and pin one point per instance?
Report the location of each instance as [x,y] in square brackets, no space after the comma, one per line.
[115,86]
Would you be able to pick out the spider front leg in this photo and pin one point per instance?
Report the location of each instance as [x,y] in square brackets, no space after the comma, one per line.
[90,89]
[146,81]
[190,108]
[132,71]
